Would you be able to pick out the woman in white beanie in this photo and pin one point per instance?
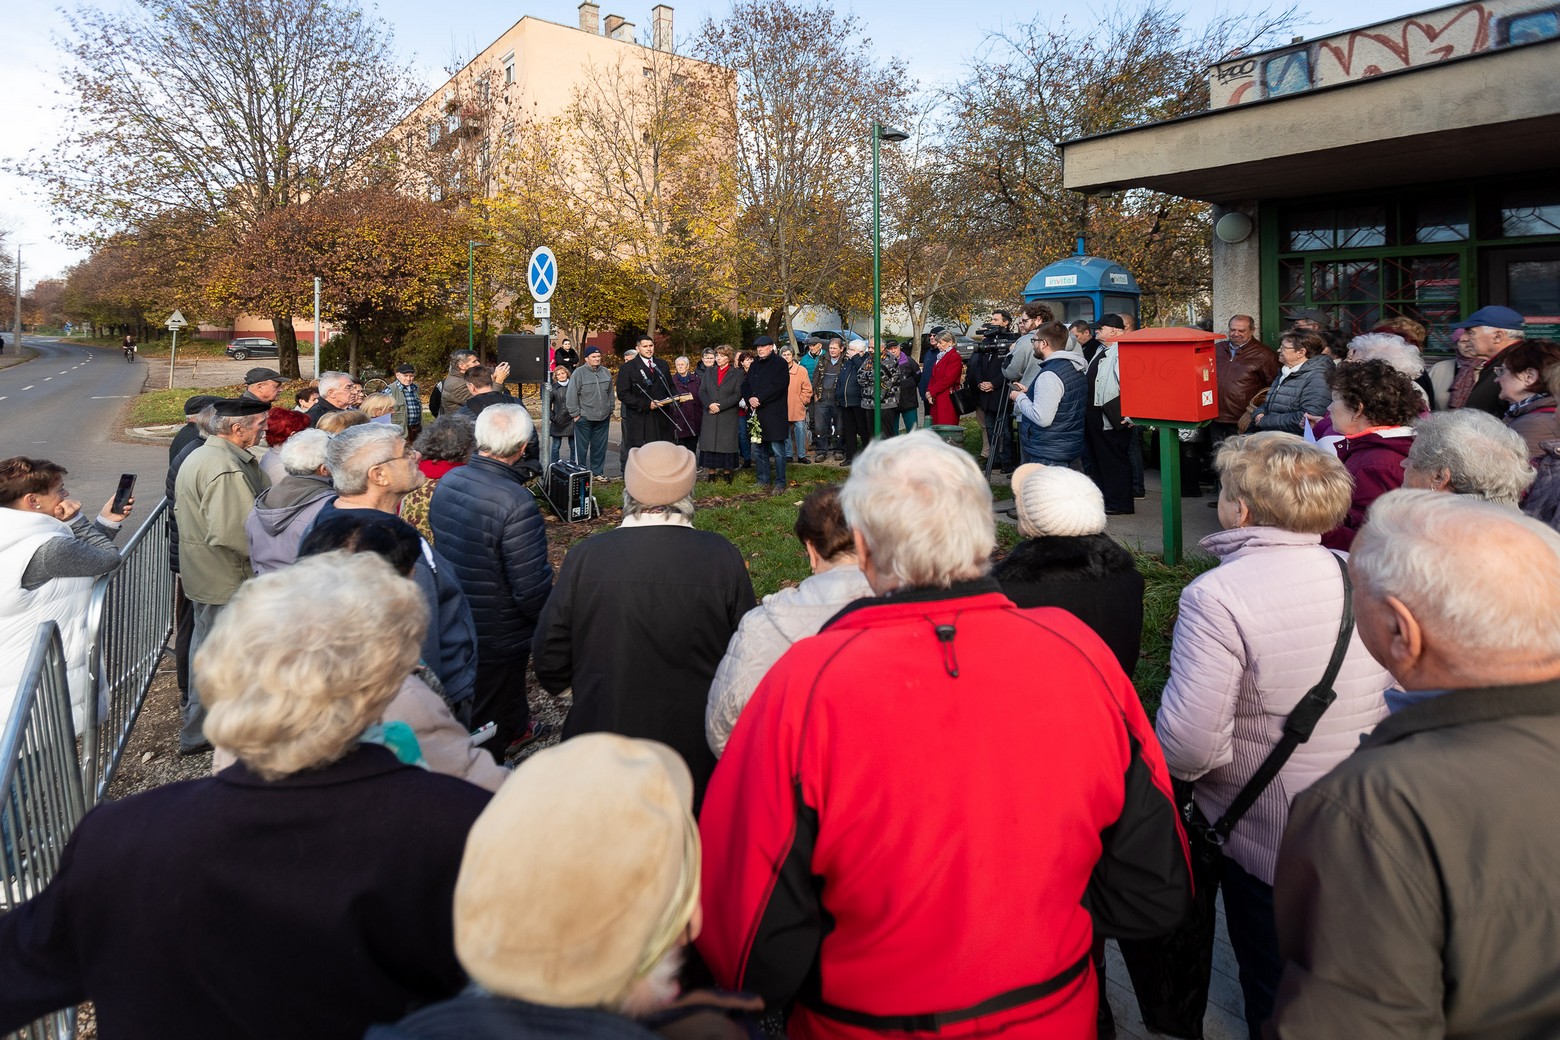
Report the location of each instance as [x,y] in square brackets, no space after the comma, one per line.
[1068,561]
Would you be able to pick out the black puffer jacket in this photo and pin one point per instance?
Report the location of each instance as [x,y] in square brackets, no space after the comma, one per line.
[173,524]
[488,527]
[1090,576]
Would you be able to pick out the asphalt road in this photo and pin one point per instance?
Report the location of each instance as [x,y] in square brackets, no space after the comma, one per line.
[64,405]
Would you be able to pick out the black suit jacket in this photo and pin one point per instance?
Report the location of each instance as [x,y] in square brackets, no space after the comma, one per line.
[638,384]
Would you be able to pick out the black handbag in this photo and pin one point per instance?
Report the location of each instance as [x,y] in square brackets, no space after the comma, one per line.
[963,398]
[1171,974]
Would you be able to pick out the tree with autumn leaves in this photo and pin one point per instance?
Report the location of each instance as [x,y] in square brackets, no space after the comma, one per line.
[383,261]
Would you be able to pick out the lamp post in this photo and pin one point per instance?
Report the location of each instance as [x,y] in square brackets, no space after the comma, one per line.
[18,328]
[880,133]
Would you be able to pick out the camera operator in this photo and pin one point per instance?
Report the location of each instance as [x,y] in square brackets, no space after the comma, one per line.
[985,376]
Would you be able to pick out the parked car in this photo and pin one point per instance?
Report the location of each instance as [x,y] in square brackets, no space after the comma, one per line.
[251,346]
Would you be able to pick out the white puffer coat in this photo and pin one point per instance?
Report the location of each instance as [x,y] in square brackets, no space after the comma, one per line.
[1253,636]
[766,633]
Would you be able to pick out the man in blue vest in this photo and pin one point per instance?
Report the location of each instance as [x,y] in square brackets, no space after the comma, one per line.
[1050,410]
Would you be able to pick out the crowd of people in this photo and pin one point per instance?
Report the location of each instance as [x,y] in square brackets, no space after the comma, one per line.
[914,794]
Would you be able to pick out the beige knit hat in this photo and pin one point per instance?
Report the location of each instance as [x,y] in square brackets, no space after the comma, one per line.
[659,473]
[581,873]
[1055,500]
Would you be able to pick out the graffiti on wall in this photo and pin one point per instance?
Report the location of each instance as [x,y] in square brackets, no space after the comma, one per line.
[1423,39]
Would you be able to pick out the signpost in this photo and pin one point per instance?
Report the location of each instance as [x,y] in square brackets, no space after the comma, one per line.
[541,277]
[175,323]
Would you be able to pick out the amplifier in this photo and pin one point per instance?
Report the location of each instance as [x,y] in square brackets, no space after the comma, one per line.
[567,488]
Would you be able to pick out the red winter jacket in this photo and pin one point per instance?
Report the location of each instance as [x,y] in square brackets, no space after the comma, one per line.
[919,810]
[945,376]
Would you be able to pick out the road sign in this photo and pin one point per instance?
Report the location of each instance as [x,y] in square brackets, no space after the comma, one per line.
[176,321]
[542,309]
[541,274]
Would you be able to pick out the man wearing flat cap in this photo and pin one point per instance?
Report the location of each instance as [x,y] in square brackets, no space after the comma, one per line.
[214,491]
[262,384]
[766,389]
[407,410]
[196,422]
[191,432]
[577,893]
[640,616]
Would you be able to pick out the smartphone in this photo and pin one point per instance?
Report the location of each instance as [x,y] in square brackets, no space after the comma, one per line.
[126,489]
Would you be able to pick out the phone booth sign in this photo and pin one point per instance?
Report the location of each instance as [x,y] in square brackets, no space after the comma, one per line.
[1169,375]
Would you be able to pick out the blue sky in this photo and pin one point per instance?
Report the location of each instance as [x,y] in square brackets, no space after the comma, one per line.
[937,40]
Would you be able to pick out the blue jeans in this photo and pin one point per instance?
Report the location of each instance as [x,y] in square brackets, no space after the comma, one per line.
[590,444]
[558,451]
[797,443]
[761,458]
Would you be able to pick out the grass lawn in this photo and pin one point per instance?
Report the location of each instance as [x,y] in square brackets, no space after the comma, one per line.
[161,407]
[760,526]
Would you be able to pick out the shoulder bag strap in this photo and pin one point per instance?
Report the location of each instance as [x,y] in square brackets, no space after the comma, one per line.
[1301,722]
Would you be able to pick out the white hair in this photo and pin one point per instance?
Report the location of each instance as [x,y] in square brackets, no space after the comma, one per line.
[1391,348]
[304,452]
[923,510]
[503,429]
[330,381]
[683,507]
[1474,574]
[1480,455]
[358,449]
[206,419]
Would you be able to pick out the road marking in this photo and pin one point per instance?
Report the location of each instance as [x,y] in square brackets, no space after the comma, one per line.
[64,373]
[29,387]
[47,378]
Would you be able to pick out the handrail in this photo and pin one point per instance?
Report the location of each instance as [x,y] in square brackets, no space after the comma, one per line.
[41,796]
[129,621]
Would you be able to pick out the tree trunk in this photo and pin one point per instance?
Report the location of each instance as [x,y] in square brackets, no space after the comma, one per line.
[354,336]
[653,311]
[286,346]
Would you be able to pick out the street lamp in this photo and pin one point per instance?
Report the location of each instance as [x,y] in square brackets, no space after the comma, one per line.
[880,133]
[18,328]
[471,294]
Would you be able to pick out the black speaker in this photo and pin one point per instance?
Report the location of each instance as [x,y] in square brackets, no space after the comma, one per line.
[527,357]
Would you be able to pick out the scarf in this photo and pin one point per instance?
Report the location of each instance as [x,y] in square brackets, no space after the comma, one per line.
[1468,370]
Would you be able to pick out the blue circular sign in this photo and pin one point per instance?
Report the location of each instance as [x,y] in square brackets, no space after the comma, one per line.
[541,274]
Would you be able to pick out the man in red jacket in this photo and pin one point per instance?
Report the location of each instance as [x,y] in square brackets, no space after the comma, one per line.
[913,825]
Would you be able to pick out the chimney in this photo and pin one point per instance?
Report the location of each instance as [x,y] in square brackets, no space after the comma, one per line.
[590,17]
[624,32]
[611,26]
[661,27]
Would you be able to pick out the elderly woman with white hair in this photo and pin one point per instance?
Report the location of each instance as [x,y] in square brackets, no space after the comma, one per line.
[1252,637]
[303,892]
[887,768]
[1468,452]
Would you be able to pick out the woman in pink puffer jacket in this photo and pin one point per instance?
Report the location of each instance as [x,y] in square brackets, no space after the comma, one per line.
[1253,636]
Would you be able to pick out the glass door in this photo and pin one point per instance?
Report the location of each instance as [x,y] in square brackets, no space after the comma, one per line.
[1526,279]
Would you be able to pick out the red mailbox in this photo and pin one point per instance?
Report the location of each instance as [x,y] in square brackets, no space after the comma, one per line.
[1169,374]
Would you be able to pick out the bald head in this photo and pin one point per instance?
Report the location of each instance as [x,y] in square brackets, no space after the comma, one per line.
[1454,592]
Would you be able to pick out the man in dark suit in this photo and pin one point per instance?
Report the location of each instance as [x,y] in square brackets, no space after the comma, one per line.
[642,384]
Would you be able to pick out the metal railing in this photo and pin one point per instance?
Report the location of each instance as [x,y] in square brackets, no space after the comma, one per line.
[40,781]
[129,621]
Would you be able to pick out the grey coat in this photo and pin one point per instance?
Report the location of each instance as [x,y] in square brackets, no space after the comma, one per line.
[722,431]
[1304,390]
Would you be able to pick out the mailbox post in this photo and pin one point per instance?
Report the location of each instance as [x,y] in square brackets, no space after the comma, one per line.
[1169,380]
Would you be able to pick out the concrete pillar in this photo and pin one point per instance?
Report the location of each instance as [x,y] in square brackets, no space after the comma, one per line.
[1237,271]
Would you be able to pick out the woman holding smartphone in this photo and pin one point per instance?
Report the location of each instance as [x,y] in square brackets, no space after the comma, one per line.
[50,554]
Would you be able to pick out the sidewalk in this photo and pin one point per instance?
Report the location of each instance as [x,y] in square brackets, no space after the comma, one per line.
[1143,529]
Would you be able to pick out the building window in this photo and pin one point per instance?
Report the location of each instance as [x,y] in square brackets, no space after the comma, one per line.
[482,89]
[1330,227]
[1529,211]
[509,130]
[452,121]
[646,72]
[509,68]
[433,134]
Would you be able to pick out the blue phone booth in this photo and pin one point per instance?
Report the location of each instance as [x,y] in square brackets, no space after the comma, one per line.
[1084,287]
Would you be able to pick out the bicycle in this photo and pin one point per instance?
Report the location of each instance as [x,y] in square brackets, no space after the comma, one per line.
[129,353]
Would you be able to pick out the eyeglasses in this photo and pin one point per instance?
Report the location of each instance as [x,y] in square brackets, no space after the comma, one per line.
[410,453]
